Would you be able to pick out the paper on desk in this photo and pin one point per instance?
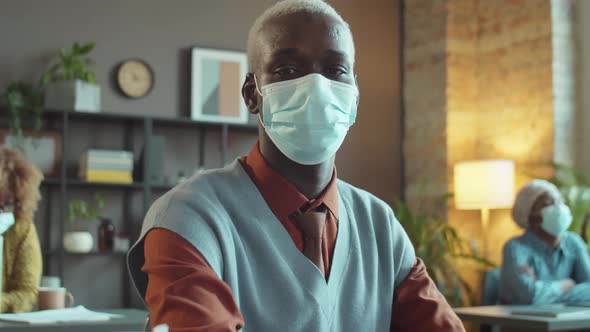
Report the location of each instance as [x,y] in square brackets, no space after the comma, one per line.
[76,314]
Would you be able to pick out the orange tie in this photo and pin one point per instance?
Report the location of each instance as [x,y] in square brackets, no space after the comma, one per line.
[311,225]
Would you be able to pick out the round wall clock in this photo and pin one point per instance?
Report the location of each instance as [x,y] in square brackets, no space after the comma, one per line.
[135,78]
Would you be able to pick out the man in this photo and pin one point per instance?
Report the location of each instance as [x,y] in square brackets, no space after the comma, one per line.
[274,242]
[547,264]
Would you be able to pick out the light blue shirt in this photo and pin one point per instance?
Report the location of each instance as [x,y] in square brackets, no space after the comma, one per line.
[549,265]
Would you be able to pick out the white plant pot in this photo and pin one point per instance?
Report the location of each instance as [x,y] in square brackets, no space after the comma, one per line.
[78,242]
[73,95]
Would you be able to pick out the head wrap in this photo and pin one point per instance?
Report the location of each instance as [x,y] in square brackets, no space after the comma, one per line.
[528,195]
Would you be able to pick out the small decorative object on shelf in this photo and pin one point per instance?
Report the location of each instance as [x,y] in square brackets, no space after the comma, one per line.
[121,243]
[156,153]
[70,84]
[216,82]
[79,211]
[135,78]
[78,242]
[106,166]
[106,235]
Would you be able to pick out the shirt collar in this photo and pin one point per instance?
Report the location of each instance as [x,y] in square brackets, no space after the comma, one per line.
[282,196]
[544,246]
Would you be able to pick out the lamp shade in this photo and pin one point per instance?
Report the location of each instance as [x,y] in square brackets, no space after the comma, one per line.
[484,184]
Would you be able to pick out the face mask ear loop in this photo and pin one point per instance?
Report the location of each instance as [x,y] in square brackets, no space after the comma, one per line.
[260,93]
[256,83]
[358,93]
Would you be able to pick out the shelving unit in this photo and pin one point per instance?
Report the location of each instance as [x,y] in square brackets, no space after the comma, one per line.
[63,122]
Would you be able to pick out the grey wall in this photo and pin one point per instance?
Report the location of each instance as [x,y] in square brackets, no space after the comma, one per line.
[161,32]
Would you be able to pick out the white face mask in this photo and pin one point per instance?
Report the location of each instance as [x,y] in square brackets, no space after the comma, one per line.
[557,218]
[307,118]
[6,221]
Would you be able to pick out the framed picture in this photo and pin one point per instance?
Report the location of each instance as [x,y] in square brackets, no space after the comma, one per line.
[216,85]
[43,150]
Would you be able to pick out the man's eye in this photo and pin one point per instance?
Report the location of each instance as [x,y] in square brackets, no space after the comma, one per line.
[286,71]
[336,71]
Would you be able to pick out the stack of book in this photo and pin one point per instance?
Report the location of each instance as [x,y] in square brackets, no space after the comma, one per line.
[106,166]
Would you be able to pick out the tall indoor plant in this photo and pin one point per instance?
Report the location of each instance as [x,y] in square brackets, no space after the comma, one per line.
[439,245]
[70,84]
[80,213]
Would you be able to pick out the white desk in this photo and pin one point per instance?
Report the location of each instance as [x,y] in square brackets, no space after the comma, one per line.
[500,315]
[132,320]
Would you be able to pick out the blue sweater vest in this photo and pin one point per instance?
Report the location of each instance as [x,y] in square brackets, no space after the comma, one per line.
[222,213]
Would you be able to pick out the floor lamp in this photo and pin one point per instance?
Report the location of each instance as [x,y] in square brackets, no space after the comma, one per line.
[484,185]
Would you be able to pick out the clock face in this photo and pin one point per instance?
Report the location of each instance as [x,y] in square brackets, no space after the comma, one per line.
[135,78]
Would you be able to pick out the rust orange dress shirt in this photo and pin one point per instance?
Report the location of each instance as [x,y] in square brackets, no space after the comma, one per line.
[185,293]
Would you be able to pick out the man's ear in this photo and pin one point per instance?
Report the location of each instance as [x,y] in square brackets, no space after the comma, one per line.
[250,94]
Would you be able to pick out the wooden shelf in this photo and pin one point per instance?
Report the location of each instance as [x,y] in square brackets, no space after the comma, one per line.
[92,253]
[86,184]
[162,187]
[134,130]
[106,185]
[109,116]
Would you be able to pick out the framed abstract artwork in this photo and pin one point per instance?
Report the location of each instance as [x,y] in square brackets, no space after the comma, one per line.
[216,85]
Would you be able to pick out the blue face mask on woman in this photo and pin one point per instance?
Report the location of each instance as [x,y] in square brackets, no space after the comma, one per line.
[557,218]
[6,221]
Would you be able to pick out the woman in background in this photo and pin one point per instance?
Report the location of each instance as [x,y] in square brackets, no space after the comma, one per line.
[547,264]
[19,197]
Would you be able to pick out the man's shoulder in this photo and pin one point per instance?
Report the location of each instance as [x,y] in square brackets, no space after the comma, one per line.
[204,189]
[366,205]
[360,196]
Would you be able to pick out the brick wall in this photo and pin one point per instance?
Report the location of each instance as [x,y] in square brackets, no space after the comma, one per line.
[425,98]
[566,135]
[488,95]
[581,13]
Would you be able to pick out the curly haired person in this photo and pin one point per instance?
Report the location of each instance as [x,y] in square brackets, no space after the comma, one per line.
[22,263]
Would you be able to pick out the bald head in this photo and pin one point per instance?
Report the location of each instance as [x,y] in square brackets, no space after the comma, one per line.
[285,19]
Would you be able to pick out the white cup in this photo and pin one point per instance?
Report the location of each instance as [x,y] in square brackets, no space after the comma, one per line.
[54,298]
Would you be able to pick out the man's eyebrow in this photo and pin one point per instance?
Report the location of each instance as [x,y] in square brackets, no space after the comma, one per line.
[337,53]
[285,51]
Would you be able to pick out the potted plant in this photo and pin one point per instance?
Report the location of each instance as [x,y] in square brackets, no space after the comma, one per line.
[80,212]
[439,245]
[70,84]
[575,188]
[24,104]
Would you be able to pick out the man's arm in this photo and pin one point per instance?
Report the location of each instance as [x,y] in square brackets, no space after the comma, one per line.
[183,291]
[417,303]
[419,306]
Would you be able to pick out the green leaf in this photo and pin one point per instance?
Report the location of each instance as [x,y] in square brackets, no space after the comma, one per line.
[90,77]
[86,48]
[75,48]
[47,77]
